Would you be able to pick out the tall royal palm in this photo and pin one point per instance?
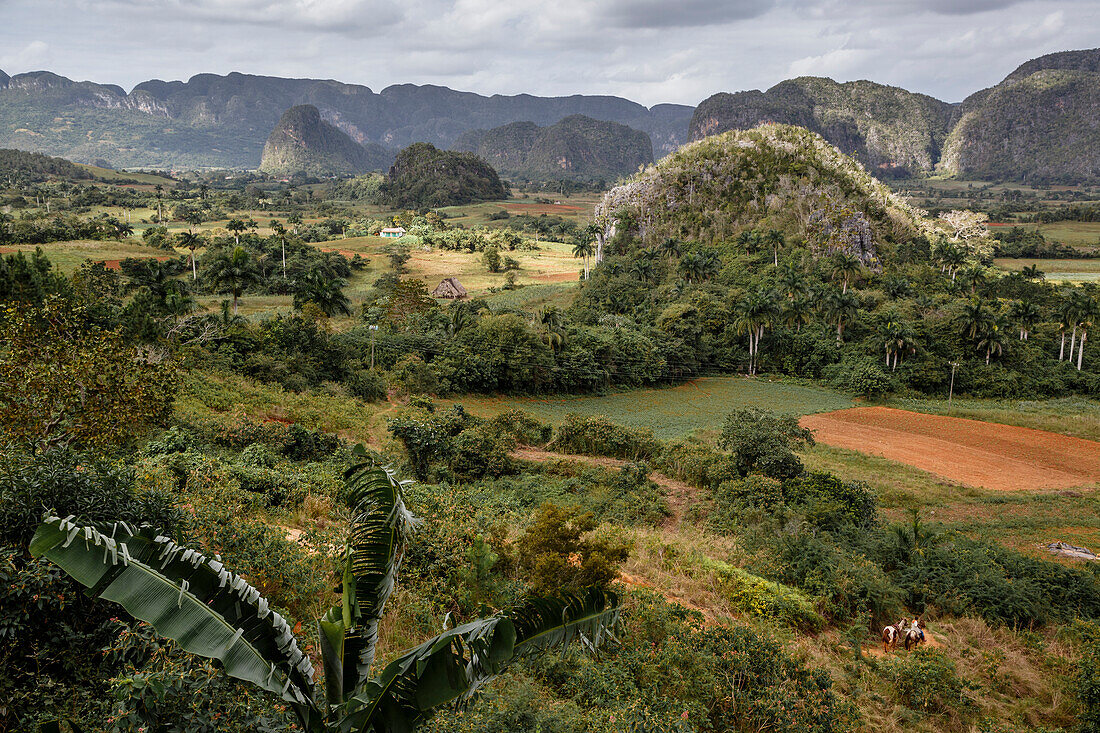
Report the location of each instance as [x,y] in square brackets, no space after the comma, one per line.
[845,268]
[1026,314]
[753,315]
[191,241]
[840,308]
[583,250]
[233,271]
[323,290]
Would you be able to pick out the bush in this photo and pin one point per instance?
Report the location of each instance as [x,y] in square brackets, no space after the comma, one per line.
[831,503]
[763,442]
[521,427]
[597,436]
[555,555]
[926,680]
[757,596]
[411,375]
[366,384]
[1086,682]
[698,464]
[863,378]
[481,451]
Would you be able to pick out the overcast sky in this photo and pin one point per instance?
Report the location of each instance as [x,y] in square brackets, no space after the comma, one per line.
[650,51]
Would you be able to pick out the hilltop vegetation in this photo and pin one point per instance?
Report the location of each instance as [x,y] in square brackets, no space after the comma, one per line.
[18,166]
[304,144]
[423,176]
[576,148]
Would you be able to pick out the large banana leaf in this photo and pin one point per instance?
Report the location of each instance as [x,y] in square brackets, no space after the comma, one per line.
[380,527]
[186,597]
[455,664]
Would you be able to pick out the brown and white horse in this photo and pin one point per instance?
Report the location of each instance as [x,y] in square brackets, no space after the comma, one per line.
[891,634]
[914,635]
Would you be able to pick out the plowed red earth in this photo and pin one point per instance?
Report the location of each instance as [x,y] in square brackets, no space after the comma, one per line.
[969,452]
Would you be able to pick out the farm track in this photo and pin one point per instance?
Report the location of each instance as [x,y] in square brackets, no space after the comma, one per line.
[678,493]
[969,452]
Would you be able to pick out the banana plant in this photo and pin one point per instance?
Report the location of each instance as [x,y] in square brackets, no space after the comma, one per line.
[212,612]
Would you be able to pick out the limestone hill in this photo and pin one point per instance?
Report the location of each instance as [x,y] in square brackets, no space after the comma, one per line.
[304,144]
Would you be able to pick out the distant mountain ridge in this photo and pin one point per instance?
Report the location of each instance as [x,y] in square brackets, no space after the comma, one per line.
[576,147]
[212,120]
[1041,123]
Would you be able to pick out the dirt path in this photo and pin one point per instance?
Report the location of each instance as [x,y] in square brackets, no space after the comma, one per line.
[678,494]
[970,452]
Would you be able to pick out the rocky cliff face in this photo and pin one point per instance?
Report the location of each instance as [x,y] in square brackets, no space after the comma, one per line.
[304,144]
[888,129]
[1041,124]
[576,147]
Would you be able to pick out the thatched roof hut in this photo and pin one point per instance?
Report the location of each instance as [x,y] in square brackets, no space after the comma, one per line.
[449,288]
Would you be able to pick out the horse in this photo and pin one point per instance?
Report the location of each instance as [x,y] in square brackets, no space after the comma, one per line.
[891,634]
[914,635]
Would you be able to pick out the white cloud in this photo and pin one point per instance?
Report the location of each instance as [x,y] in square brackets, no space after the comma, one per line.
[30,57]
[649,50]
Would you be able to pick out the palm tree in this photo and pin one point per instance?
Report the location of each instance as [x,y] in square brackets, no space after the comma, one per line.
[953,258]
[642,269]
[294,220]
[897,338]
[991,339]
[280,232]
[841,307]
[974,319]
[584,249]
[974,276]
[123,230]
[797,313]
[214,613]
[459,316]
[159,195]
[750,240]
[233,271]
[1069,311]
[1087,311]
[775,238]
[792,280]
[753,316]
[327,293]
[671,247]
[551,320]
[1032,272]
[846,268]
[236,227]
[191,241]
[691,267]
[1026,314]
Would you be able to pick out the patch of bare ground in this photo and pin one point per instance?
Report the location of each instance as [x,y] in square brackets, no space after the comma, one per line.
[971,452]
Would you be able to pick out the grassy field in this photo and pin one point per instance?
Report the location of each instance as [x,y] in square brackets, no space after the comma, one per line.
[1065,270]
[673,412]
[69,256]
[1082,234]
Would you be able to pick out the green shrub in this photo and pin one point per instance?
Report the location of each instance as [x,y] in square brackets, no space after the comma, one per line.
[411,375]
[862,378]
[1086,681]
[556,552]
[289,439]
[480,451]
[831,503]
[926,680]
[756,596]
[764,442]
[595,435]
[366,384]
[521,427]
[697,464]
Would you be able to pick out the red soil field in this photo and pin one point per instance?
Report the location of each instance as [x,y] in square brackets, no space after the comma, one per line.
[117,264]
[969,452]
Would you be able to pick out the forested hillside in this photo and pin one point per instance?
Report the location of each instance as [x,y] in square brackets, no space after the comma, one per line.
[577,148]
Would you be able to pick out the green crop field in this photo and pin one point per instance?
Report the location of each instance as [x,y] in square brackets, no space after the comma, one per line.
[699,405]
[1065,270]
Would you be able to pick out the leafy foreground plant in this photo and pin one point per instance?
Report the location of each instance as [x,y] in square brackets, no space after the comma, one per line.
[211,612]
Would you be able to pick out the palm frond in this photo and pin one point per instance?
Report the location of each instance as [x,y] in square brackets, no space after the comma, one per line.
[379,530]
[186,597]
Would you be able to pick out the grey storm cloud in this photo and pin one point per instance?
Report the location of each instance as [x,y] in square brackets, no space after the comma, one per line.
[651,51]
